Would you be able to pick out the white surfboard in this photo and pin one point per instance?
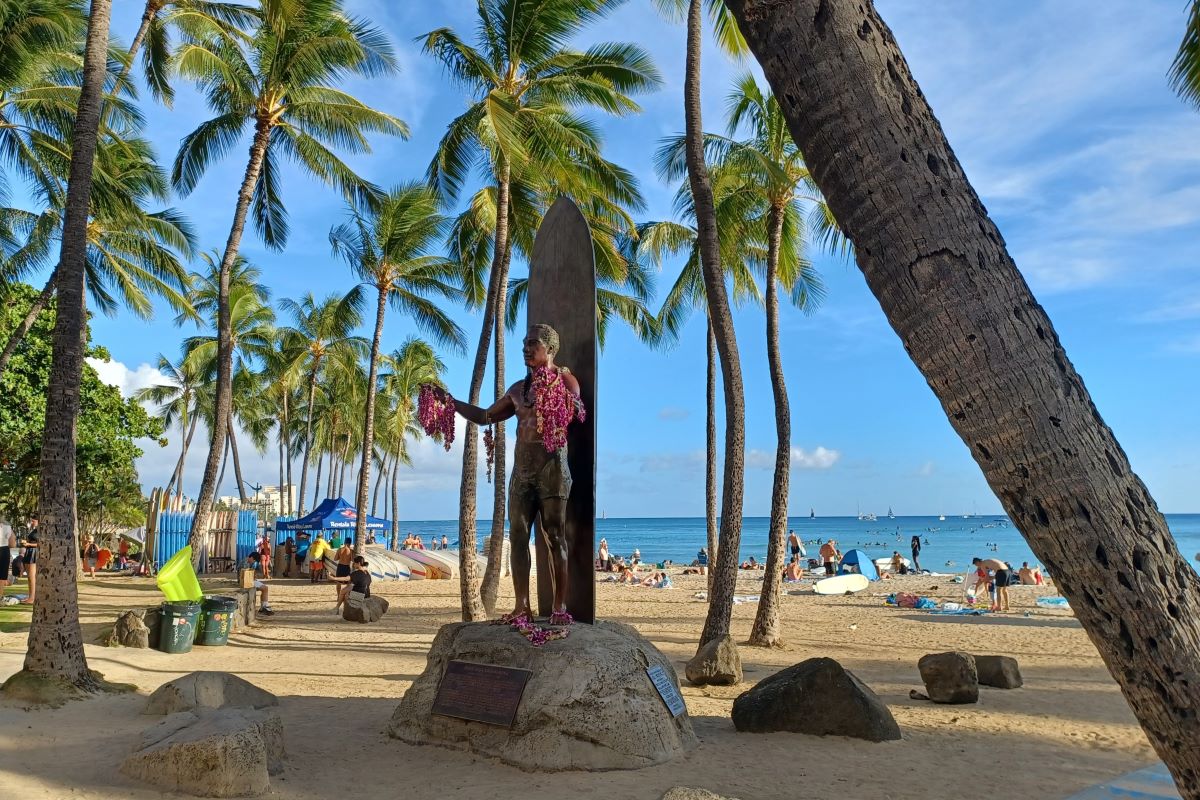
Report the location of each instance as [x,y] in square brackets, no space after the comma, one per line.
[841,584]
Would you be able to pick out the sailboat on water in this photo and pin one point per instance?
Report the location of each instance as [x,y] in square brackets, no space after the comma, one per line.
[812,514]
[890,514]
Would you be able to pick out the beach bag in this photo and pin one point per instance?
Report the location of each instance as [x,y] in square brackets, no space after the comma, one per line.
[355,599]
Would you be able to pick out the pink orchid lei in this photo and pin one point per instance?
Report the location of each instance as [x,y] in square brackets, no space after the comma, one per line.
[436,416]
[556,407]
[536,634]
[489,445]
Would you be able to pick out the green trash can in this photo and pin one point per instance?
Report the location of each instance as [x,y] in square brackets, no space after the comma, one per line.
[177,626]
[216,620]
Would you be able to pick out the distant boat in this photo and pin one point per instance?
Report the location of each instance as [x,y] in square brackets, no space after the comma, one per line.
[890,514]
[812,514]
[868,517]
[941,517]
[603,515]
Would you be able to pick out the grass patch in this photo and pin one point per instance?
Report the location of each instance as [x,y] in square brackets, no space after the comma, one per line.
[15,618]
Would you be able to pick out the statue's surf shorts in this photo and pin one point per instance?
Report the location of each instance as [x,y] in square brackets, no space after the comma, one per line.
[550,480]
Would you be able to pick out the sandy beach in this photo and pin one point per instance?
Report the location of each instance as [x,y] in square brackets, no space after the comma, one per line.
[339,683]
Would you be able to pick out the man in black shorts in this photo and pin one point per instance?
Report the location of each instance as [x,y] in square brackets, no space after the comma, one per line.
[1001,578]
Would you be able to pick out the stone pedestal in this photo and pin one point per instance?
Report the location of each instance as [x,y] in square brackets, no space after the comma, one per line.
[588,705]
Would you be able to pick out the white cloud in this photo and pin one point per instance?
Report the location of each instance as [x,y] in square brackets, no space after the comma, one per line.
[1183,307]
[818,458]
[127,380]
[926,469]
[673,413]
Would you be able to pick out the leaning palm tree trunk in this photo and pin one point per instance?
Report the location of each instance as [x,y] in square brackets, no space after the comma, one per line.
[472,607]
[383,476]
[55,646]
[368,445]
[940,270]
[490,588]
[725,580]
[316,486]
[152,8]
[224,464]
[18,334]
[224,389]
[765,631]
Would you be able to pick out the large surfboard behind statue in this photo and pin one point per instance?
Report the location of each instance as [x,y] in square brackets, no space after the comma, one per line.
[562,294]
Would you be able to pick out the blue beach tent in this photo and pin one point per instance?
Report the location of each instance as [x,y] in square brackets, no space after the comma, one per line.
[331,515]
[858,561]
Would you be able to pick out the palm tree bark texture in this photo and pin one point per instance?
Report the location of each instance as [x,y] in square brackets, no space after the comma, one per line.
[941,271]
[725,568]
[55,648]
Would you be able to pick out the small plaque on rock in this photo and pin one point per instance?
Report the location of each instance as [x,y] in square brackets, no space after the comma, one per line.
[667,690]
[481,692]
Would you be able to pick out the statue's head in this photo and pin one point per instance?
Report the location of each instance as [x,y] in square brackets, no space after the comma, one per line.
[540,345]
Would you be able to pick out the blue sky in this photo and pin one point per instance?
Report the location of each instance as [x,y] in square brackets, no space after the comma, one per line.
[1061,115]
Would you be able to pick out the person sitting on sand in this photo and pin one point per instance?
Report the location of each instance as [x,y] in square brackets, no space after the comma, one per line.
[793,572]
[1026,574]
[702,560]
[897,562]
[627,576]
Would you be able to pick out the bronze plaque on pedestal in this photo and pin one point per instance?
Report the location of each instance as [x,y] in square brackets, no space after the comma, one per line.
[480,692]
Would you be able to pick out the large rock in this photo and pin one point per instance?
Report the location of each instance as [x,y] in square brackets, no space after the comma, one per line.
[687,793]
[588,705]
[371,610]
[200,690]
[717,663]
[1000,672]
[950,677]
[225,753]
[130,630]
[817,697]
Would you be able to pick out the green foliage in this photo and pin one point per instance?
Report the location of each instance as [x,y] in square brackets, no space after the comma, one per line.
[1185,70]
[108,427]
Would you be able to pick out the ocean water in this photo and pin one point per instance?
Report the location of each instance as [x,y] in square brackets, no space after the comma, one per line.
[952,542]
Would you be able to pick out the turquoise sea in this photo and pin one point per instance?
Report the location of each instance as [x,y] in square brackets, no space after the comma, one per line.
[955,539]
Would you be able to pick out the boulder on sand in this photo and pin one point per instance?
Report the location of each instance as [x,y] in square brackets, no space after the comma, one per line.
[199,690]
[717,663]
[130,629]
[588,704]
[817,697]
[371,610]
[999,672]
[950,677]
[229,752]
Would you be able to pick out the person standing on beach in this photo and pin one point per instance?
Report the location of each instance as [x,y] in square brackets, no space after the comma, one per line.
[916,552]
[796,547]
[29,561]
[343,556]
[289,552]
[445,542]
[316,558]
[1001,578]
[602,557]
[829,553]
[8,547]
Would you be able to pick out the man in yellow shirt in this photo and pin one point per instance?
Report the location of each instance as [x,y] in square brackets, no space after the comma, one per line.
[316,558]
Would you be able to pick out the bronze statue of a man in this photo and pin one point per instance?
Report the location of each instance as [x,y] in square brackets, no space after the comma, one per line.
[541,480]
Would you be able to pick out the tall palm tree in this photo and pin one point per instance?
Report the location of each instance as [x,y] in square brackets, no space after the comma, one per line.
[320,329]
[1185,69]
[390,249]
[55,648]
[938,265]
[660,240]
[283,375]
[769,164]
[522,81]
[723,562]
[282,81]
[178,402]
[198,17]
[404,372]
[132,253]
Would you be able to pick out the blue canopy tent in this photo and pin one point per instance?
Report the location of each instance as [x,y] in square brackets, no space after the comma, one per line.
[858,561]
[332,515]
